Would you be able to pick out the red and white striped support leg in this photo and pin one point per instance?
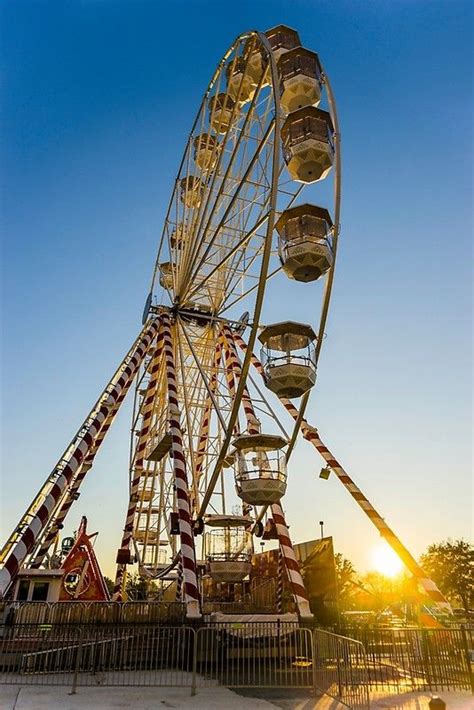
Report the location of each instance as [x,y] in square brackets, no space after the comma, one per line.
[280,583]
[27,540]
[179,581]
[253,424]
[290,562]
[137,464]
[188,555]
[311,434]
[428,586]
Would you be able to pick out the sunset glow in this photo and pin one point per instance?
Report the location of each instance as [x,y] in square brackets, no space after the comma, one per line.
[385,561]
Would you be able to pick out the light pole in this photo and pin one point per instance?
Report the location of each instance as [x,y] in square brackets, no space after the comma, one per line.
[321,523]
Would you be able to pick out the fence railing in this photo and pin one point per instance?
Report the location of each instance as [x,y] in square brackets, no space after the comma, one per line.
[97,655]
[235,654]
[210,607]
[340,668]
[255,654]
[71,612]
[411,659]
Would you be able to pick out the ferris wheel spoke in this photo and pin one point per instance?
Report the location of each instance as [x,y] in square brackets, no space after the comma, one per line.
[242,256]
[216,174]
[222,187]
[231,203]
[235,249]
[247,292]
[203,375]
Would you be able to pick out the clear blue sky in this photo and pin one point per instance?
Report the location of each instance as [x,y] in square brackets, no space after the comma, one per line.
[98,98]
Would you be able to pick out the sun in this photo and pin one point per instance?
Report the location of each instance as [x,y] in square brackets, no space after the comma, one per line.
[386,561]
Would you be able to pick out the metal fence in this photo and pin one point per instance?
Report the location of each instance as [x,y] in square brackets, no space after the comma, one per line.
[340,668]
[79,612]
[233,654]
[236,654]
[83,655]
[255,654]
[418,659]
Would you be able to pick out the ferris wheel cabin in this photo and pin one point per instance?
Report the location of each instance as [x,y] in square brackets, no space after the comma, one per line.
[178,236]
[304,243]
[260,468]
[257,64]
[221,108]
[308,145]
[206,151]
[300,79]
[166,274]
[191,191]
[288,357]
[227,557]
[242,80]
[282,39]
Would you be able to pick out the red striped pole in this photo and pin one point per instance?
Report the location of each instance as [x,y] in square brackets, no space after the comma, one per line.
[253,424]
[286,547]
[81,448]
[311,434]
[188,555]
[280,583]
[290,561]
[179,581]
[147,409]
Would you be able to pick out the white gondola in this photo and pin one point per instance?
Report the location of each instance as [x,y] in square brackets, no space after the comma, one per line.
[178,236]
[227,555]
[206,151]
[221,109]
[300,79]
[308,146]
[242,80]
[288,357]
[257,62]
[191,191]
[305,244]
[166,274]
[260,469]
[282,39]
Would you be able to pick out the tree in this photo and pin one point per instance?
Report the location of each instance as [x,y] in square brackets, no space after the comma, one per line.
[345,574]
[451,565]
[139,588]
[110,585]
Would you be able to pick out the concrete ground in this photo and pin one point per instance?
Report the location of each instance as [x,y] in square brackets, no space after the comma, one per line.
[40,697]
[31,697]
[419,701]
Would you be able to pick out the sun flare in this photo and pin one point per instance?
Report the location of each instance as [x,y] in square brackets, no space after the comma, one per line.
[385,561]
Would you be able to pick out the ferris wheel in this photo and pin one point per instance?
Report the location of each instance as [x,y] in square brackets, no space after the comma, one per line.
[210,452]
[258,139]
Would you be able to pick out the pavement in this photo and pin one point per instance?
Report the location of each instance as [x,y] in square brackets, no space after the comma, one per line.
[34,697]
[41,697]
[420,701]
